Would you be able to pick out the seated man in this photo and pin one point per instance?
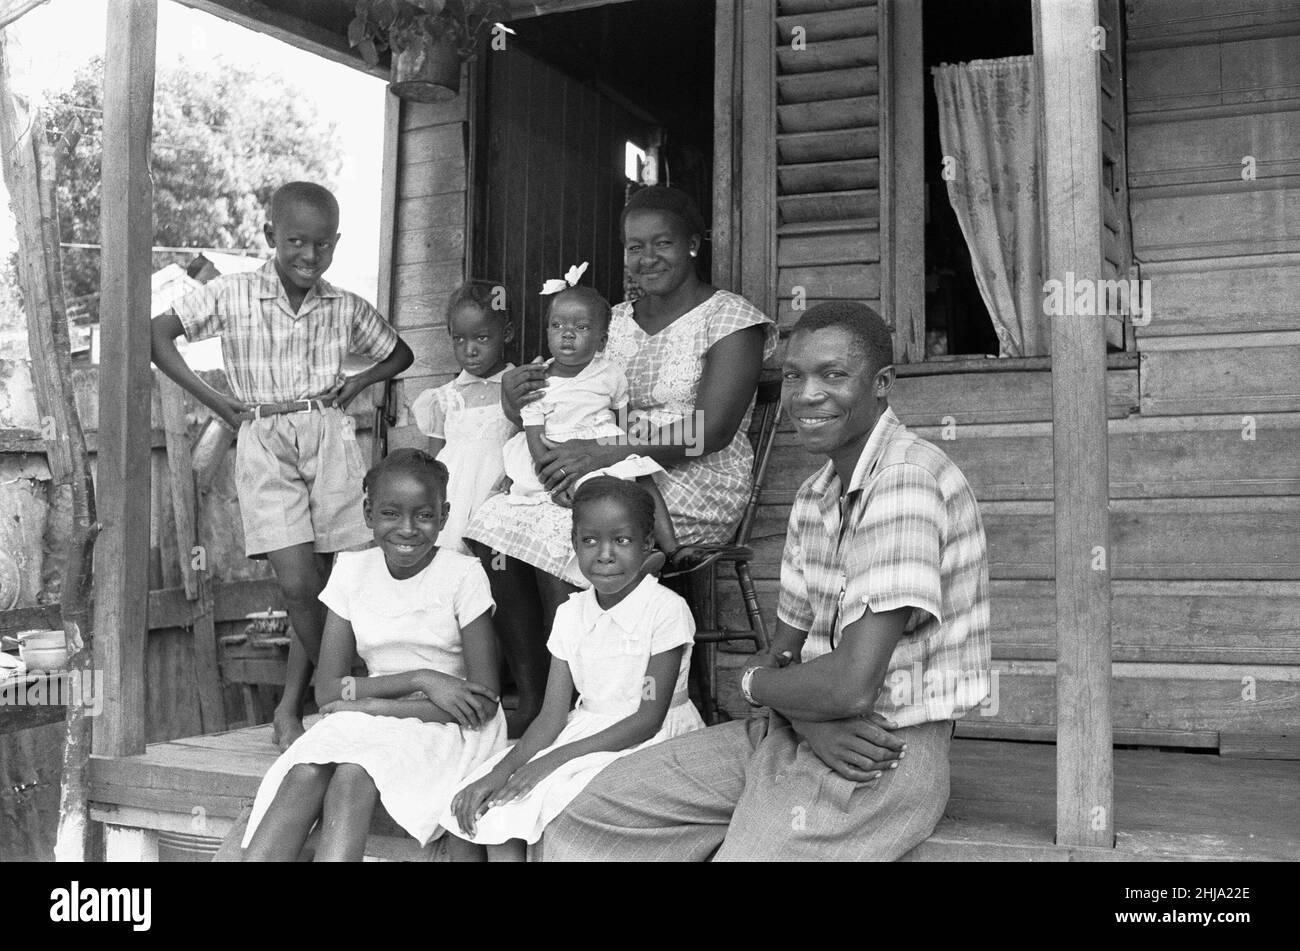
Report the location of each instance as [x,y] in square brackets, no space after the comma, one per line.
[881,642]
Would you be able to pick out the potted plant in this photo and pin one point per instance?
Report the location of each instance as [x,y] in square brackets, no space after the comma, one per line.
[428,39]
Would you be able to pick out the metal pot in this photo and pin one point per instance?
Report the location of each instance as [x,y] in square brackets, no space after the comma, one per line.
[427,72]
[43,650]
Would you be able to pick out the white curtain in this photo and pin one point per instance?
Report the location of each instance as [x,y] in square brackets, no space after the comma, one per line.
[988,127]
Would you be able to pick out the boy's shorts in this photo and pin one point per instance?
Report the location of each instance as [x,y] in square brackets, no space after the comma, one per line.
[299,480]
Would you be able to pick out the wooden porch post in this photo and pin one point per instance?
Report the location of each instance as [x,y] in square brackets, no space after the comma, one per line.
[126,226]
[1069,77]
[756,182]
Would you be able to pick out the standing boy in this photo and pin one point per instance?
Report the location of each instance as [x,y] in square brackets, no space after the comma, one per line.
[881,642]
[284,333]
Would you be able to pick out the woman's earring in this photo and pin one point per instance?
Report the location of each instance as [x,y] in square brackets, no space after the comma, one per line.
[694,253]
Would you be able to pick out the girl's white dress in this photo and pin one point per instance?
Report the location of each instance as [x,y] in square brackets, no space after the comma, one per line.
[466,413]
[400,626]
[607,653]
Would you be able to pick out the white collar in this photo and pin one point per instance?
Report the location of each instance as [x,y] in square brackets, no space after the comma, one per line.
[627,614]
[881,432]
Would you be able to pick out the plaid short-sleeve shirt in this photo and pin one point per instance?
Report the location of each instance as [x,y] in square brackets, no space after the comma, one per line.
[273,355]
[910,536]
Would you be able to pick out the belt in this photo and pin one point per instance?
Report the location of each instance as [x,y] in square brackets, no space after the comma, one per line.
[296,406]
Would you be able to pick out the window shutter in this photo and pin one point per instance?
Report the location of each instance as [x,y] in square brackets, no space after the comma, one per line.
[828,154]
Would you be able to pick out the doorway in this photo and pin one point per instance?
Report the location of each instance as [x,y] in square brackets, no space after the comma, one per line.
[577,112]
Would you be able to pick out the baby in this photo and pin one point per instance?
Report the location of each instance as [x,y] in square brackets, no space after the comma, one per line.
[584,393]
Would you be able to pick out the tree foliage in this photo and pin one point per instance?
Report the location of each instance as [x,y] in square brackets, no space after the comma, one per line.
[224,137]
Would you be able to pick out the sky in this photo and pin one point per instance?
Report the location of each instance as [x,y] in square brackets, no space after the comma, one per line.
[48,45]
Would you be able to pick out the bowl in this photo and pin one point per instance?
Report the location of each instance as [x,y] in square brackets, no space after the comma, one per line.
[43,650]
[40,639]
[44,658]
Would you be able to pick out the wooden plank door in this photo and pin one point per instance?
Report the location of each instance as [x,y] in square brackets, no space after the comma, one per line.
[550,186]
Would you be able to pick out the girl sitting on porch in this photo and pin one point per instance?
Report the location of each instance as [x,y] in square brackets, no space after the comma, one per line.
[624,644]
[427,713]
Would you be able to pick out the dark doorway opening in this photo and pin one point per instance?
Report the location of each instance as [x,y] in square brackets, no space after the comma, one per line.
[957,31]
[566,109]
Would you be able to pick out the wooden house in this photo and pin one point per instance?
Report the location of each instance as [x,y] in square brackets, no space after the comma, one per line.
[1139,487]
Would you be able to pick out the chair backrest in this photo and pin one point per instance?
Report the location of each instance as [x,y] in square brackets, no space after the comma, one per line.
[385,417]
[767,412]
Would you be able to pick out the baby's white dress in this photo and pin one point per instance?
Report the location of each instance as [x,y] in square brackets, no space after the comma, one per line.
[607,653]
[400,626]
[576,407]
[466,414]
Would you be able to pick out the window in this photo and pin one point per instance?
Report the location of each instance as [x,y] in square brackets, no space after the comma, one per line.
[957,321]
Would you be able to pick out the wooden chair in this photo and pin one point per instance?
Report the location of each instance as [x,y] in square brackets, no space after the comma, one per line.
[385,417]
[697,566]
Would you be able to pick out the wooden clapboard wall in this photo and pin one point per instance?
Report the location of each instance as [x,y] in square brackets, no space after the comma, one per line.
[828,165]
[1214,178]
[424,237]
[1205,525]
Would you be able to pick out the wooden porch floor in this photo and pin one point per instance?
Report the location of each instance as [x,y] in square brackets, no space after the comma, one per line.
[1169,806]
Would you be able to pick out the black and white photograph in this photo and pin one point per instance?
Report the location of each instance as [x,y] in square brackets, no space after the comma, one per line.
[651,431]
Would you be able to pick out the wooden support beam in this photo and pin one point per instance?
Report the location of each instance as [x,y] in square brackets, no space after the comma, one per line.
[757,154]
[30,174]
[13,10]
[518,9]
[1068,63]
[902,186]
[42,616]
[29,441]
[290,29]
[168,607]
[726,112]
[194,572]
[231,601]
[388,203]
[126,222]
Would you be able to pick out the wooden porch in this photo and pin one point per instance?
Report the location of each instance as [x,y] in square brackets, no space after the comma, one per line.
[1010,800]
[187,795]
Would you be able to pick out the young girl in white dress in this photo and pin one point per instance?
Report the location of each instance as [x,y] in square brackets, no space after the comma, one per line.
[625,644]
[463,419]
[427,712]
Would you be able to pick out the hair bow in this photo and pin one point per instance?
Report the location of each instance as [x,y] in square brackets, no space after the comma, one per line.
[570,279]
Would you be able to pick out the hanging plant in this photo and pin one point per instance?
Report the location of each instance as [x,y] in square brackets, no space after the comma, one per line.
[428,40]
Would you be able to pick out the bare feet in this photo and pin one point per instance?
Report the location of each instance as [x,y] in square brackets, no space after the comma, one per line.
[285,728]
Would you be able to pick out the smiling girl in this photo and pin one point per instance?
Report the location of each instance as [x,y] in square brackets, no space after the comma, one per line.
[426,714]
[624,644]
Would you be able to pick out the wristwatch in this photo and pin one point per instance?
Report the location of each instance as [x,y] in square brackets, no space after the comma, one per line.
[746,685]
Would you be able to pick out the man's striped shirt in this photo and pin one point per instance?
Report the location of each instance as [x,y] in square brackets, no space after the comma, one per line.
[911,536]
